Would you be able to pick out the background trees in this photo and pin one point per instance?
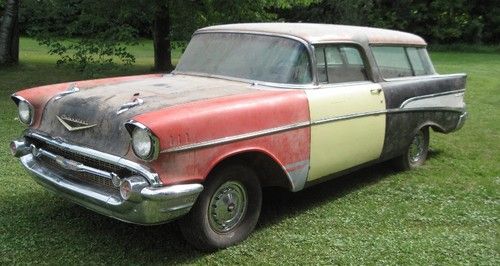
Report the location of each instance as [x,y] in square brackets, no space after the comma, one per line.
[9,32]
[99,31]
[438,21]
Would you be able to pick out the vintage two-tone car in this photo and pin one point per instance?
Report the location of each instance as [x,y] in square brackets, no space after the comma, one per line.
[248,106]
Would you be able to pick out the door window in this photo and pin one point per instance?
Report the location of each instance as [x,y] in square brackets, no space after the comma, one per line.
[339,63]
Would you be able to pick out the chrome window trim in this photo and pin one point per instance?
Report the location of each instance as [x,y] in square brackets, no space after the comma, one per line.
[345,84]
[430,76]
[151,176]
[17,99]
[404,46]
[269,131]
[249,81]
[362,52]
[309,48]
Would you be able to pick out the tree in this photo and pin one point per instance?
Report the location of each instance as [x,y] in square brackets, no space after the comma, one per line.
[161,36]
[9,33]
[104,28]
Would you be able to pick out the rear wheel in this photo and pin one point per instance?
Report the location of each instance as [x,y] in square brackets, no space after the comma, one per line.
[227,210]
[416,153]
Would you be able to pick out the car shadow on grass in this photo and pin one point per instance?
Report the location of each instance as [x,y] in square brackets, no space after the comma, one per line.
[112,241]
[279,204]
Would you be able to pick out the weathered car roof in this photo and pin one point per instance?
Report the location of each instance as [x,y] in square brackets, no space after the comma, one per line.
[315,33]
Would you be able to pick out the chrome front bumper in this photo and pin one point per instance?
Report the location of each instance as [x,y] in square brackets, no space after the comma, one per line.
[154,204]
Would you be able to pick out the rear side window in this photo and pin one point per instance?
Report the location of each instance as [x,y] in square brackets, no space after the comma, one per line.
[339,63]
[397,61]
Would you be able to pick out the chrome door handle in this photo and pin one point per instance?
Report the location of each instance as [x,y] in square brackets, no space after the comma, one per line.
[376,91]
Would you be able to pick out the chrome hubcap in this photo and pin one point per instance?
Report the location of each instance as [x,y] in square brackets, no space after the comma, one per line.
[416,148]
[227,206]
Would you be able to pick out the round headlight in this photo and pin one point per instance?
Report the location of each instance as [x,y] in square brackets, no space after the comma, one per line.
[142,143]
[25,112]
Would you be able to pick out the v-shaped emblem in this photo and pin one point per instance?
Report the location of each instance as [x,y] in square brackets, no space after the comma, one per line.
[73,124]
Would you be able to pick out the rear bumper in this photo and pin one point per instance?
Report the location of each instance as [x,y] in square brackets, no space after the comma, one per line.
[152,205]
[461,120]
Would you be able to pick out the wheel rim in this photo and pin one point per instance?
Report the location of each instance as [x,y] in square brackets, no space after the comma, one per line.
[417,148]
[227,206]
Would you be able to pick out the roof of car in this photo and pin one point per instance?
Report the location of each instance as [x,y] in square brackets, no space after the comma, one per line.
[317,33]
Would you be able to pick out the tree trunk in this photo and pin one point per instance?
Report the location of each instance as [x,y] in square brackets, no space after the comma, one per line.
[161,36]
[9,33]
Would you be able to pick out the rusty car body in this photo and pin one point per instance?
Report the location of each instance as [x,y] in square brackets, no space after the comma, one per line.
[248,106]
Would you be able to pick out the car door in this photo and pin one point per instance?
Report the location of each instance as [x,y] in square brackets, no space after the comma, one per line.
[347,112]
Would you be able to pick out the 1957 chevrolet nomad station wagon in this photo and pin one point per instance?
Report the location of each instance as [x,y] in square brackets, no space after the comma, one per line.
[248,106]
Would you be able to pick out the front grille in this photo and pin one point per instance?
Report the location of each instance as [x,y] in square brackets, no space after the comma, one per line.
[80,177]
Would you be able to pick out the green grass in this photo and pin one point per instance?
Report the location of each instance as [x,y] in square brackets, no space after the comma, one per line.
[447,212]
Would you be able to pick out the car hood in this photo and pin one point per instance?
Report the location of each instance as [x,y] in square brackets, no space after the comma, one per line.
[93,113]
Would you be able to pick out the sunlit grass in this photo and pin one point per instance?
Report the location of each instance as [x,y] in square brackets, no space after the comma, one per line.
[445,213]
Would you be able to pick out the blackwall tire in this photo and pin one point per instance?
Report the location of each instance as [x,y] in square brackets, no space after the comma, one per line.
[416,153]
[226,211]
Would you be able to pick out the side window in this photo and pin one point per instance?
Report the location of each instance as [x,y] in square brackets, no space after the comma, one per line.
[392,61]
[321,65]
[352,56]
[396,62]
[333,56]
[339,63]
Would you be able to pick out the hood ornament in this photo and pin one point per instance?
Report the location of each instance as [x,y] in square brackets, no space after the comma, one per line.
[126,106]
[71,89]
[72,124]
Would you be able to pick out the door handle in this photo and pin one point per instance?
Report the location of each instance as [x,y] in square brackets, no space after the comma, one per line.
[376,91]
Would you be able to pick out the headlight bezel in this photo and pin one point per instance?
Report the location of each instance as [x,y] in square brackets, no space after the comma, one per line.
[20,100]
[154,151]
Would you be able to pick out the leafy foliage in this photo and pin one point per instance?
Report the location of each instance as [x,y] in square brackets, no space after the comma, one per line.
[103,28]
[88,56]
[101,31]
[106,27]
[438,21]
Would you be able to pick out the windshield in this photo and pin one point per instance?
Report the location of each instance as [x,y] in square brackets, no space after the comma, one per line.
[247,56]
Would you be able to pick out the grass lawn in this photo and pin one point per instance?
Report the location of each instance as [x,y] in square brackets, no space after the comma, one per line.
[445,213]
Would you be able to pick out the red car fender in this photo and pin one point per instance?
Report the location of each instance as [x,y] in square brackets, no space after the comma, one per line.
[185,132]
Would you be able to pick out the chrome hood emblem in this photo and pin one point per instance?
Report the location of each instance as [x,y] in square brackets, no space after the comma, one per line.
[72,124]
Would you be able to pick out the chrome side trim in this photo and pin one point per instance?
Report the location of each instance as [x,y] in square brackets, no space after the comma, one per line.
[430,96]
[346,117]
[426,109]
[225,140]
[270,131]
[152,177]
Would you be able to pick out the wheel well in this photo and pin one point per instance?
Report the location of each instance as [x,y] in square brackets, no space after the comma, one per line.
[269,172]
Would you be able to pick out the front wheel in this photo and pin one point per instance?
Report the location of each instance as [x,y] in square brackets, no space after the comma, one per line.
[416,153]
[227,210]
